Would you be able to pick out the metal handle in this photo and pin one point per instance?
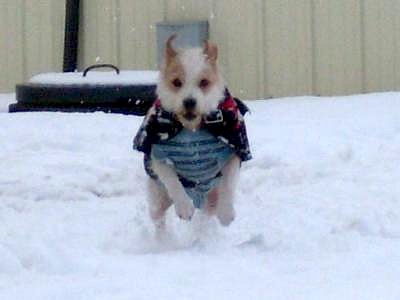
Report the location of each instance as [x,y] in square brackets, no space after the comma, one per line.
[100,66]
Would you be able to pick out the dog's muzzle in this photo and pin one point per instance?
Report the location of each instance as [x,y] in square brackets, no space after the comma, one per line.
[189,105]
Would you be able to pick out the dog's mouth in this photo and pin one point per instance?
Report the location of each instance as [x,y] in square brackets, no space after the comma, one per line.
[190,119]
[190,115]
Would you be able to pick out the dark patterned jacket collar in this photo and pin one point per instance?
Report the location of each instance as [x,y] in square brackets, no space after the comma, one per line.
[226,123]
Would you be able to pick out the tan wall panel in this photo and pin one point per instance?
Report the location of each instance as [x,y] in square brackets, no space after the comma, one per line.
[88,34]
[11,44]
[178,10]
[32,36]
[43,36]
[138,33]
[381,38]
[338,58]
[288,48]
[3,45]
[396,61]
[237,36]
[57,22]
[99,34]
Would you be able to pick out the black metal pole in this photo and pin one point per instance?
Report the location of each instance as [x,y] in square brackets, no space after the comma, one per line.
[71,35]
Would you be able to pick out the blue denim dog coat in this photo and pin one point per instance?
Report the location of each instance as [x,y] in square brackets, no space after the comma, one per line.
[198,158]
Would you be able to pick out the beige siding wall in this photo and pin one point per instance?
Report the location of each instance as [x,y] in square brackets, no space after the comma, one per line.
[338,59]
[31,39]
[382,45]
[288,48]
[268,48]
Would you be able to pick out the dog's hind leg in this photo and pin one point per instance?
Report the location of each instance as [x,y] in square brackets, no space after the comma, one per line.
[226,191]
[210,206]
[159,202]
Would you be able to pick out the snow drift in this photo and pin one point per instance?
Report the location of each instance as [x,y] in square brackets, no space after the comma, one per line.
[318,209]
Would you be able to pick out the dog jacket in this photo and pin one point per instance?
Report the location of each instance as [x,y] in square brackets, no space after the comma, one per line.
[199,156]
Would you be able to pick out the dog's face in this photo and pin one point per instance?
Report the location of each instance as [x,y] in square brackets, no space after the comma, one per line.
[190,84]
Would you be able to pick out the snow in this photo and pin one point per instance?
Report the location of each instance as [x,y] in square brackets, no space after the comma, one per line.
[97,77]
[5,101]
[318,209]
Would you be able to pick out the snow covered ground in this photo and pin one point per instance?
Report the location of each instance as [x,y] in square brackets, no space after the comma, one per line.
[318,209]
[5,100]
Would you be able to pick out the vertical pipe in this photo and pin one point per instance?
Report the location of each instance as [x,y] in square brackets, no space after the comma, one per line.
[71,35]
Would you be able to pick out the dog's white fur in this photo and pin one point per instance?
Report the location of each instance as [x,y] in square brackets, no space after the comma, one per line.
[191,66]
[194,63]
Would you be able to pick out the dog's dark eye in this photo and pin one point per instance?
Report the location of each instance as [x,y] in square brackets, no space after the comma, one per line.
[204,83]
[177,82]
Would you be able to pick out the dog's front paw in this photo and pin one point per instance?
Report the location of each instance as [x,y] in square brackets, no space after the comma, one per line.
[184,209]
[226,214]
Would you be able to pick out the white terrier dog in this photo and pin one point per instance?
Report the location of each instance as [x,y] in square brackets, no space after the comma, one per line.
[194,137]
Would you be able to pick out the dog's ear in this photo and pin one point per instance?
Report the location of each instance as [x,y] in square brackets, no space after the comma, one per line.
[170,52]
[211,51]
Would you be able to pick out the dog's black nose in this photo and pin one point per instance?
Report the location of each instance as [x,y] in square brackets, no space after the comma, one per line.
[189,103]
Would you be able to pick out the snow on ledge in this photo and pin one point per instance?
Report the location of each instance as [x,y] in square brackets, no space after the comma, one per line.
[97,78]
